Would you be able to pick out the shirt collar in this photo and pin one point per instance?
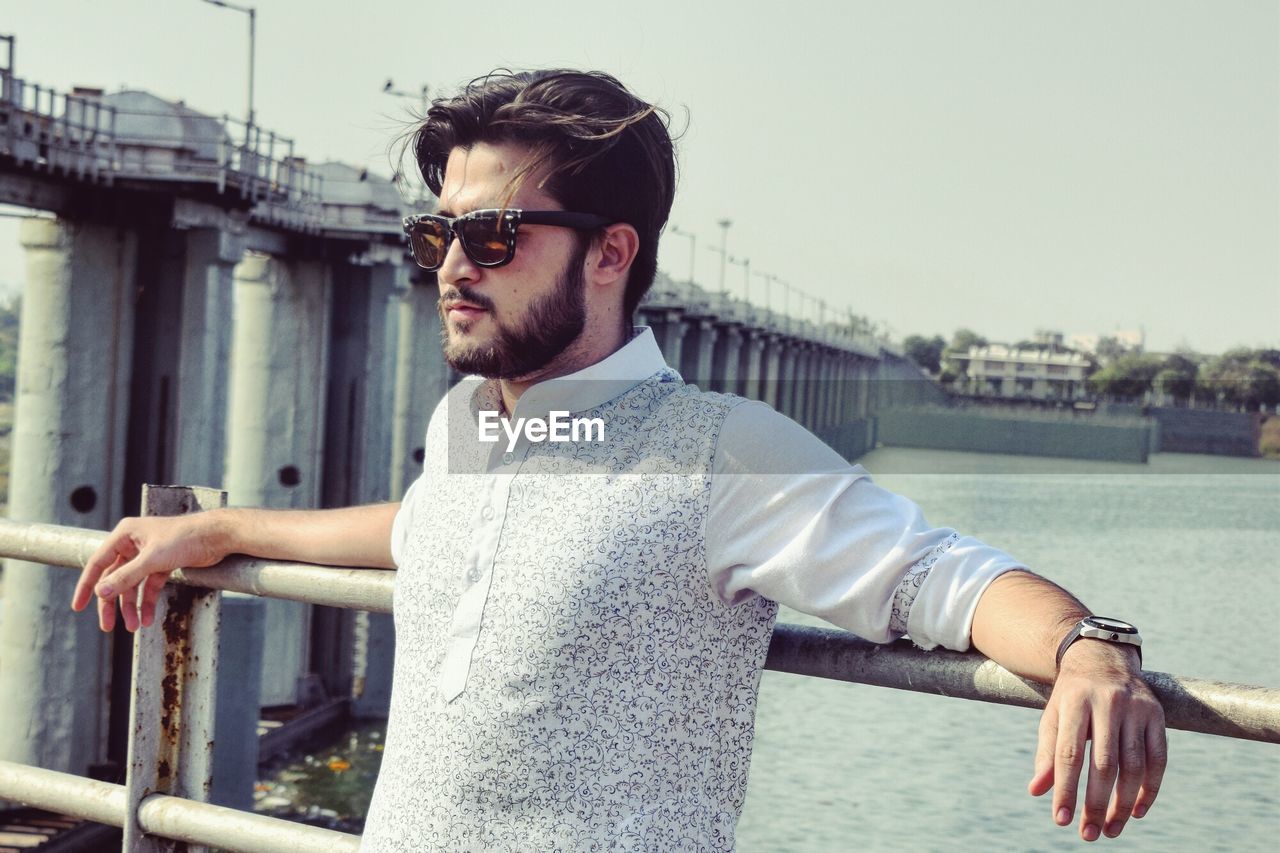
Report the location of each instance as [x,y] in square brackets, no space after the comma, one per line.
[634,362]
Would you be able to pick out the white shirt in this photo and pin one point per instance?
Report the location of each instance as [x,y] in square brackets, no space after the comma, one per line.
[562,625]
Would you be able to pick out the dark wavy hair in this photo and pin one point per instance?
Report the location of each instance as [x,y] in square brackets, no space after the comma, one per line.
[605,150]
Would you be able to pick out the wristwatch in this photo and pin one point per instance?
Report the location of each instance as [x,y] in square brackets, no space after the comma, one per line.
[1101,628]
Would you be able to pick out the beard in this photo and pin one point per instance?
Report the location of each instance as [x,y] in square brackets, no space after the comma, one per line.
[546,329]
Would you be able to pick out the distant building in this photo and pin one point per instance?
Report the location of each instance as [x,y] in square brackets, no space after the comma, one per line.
[1133,340]
[1036,374]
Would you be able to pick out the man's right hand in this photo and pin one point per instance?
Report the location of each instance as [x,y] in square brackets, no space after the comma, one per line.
[144,552]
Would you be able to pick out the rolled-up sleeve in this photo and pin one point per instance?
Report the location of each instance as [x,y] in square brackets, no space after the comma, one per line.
[792,521]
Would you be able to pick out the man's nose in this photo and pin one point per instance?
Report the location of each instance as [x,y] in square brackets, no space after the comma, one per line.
[457,267]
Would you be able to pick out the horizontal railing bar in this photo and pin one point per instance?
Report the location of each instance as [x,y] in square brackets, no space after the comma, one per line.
[356,589]
[169,817]
[1241,711]
[1211,707]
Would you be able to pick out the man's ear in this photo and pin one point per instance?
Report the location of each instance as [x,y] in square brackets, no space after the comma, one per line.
[615,249]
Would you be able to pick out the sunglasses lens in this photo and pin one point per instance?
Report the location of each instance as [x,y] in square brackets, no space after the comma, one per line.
[486,240]
[429,241]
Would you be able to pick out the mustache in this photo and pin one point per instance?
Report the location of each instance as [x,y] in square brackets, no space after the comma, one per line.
[465,294]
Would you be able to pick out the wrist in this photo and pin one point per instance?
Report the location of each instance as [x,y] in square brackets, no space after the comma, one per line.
[1093,653]
[223,529]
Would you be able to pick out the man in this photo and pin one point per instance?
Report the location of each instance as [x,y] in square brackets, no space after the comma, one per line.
[581,625]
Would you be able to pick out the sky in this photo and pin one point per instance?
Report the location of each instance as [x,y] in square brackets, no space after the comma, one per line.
[1086,166]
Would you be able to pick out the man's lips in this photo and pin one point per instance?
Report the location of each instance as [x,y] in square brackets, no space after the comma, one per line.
[463,309]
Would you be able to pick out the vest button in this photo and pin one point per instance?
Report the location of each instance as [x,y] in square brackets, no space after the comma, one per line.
[508,458]
[487,513]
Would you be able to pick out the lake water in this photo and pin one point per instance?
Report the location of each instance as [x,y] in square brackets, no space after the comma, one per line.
[1185,547]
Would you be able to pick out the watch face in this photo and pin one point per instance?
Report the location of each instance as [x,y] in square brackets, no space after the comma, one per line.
[1108,624]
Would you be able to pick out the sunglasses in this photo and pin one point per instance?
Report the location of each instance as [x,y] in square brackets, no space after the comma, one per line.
[488,236]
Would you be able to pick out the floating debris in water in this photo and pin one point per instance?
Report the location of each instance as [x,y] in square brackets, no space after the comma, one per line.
[330,786]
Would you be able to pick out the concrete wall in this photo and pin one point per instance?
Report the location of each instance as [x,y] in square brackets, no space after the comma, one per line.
[958,429]
[1201,430]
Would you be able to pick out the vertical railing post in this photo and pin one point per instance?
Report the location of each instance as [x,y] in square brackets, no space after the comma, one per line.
[175,665]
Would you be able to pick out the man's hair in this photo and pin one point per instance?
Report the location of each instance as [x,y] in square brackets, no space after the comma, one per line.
[605,151]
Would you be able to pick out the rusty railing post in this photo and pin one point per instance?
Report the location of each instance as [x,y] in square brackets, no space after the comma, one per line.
[174,673]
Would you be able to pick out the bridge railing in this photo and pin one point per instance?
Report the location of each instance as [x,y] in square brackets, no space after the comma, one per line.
[84,136]
[52,131]
[170,730]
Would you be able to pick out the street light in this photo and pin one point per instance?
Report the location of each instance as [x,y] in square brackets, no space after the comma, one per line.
[693,246]
[769,279]
[745,263]
[390,89]
[253,15]
[724,240]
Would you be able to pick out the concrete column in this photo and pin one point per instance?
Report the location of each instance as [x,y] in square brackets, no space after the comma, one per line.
[276,423]
[822,410]
[845,389]
[789,392]
[669,330]
[865,378]
[74,363]
[205,357]
[724,359]
[361,386]
[699,341]
[422,379]
[235,724]
[749,363]
[774,349]
[814,386]
[278,377]
[357,451]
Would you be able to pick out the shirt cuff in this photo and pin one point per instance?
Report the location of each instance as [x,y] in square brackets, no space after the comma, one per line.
[941,613]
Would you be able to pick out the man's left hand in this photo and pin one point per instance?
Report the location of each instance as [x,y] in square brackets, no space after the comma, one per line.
[1100,696]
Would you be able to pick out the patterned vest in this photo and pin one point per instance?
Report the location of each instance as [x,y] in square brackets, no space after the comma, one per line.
[606,700]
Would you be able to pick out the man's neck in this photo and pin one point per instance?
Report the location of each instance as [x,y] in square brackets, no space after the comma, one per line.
[579,355]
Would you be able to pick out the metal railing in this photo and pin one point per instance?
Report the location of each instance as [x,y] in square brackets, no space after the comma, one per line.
[78,135]
[168,773]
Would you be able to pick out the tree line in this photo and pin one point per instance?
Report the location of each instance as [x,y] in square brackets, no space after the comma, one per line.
[1240,378]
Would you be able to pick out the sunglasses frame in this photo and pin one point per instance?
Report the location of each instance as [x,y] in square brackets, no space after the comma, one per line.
[511,218]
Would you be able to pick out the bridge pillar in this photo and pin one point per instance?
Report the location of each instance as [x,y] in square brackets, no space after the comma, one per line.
[788,377]
[775,345]
[724,358]
[699,341]
[275,424]
[668,331]
[72,405]
[749,363]
[203,365]
[363,354]
[422,379]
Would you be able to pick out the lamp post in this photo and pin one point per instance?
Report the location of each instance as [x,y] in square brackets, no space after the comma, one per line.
[769,279]
[745,263]
[693,247]
[390,88]
[724,241]
[253,16]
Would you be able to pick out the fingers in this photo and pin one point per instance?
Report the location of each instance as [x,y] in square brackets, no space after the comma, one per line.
[151,590]
[1042,775]
[1157,757]
[1133,763]
[1068,759]
[119,547]
[1104,767]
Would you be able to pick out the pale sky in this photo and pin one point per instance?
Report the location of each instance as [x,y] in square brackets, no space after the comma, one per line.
[1083,165]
